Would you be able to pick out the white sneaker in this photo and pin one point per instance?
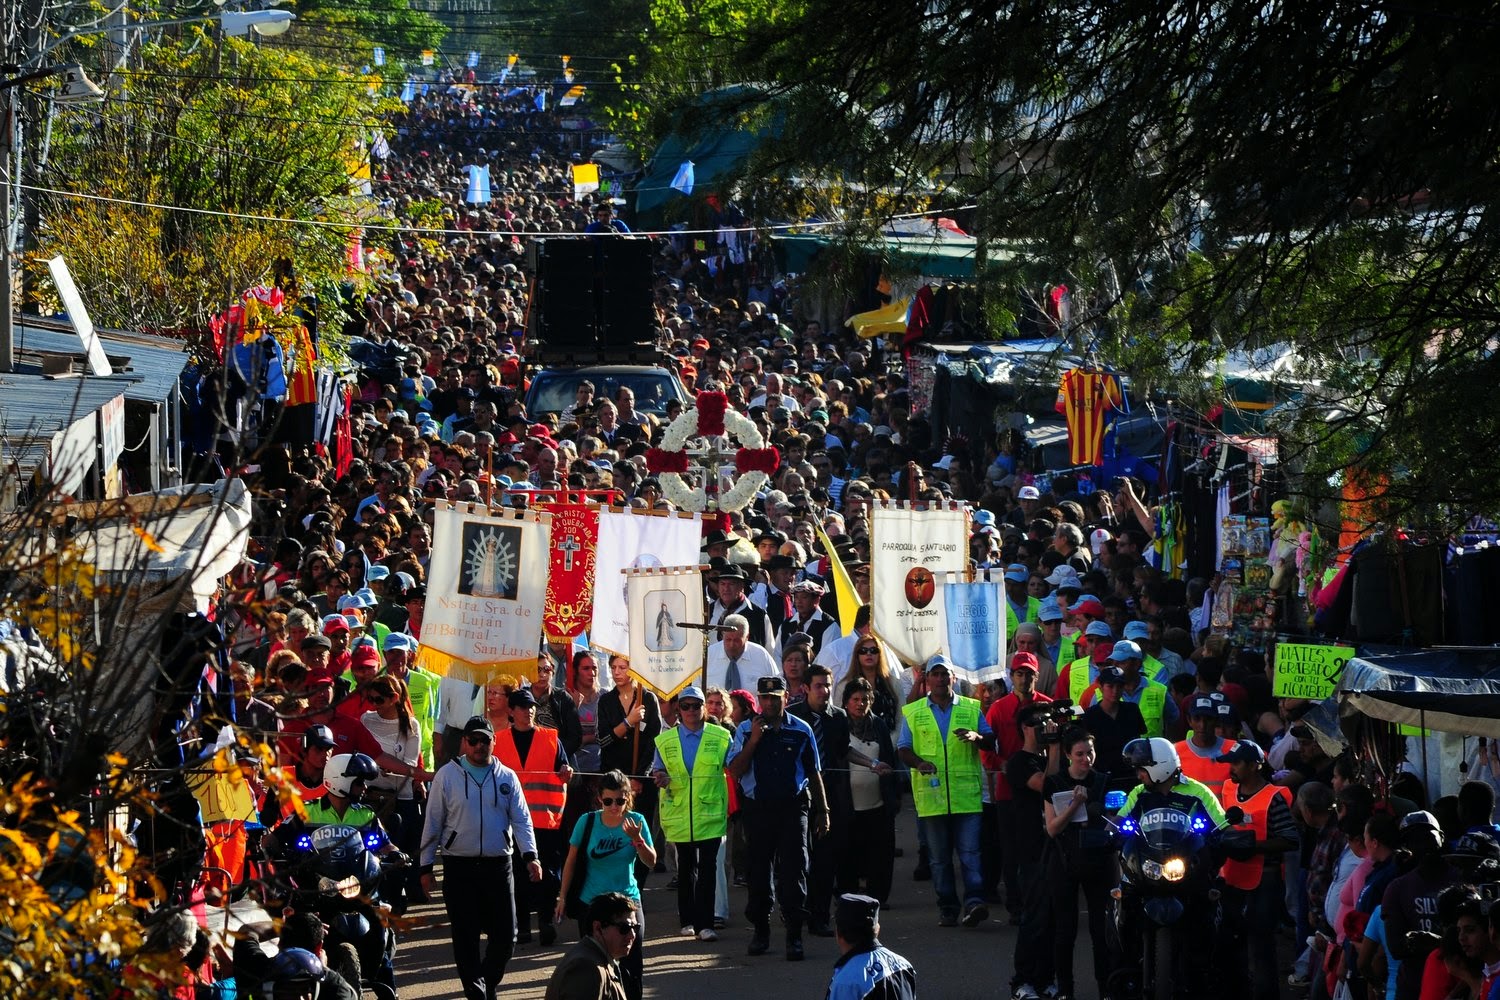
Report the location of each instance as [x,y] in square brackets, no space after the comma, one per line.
[688,930]
[1025,992]
[708,934]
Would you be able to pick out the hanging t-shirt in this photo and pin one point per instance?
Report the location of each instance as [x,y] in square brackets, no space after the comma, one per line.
[611,856]
[1083,398]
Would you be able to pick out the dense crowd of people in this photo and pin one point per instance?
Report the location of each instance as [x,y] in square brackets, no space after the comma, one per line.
[785,771]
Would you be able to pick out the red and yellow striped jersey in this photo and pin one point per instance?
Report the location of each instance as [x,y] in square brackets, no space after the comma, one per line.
[1083,398]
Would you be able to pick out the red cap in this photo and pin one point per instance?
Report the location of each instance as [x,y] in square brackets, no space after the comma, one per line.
[365,656]
[702,342]
[1100,652]
[1025,661]
[1089,607]
[335,623]
[539,430]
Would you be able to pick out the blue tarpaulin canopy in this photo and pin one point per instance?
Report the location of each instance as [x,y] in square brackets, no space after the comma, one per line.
[1449,690]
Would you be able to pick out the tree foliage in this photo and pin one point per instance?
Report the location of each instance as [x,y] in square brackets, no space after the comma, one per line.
[246,138]
[1207,177]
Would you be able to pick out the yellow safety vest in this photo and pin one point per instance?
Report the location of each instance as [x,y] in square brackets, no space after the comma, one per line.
[1079,678]
[694,807]
[1033,614]
[956,786]
[1152,704]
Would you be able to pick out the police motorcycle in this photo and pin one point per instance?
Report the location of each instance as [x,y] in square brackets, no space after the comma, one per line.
[1171,850]
[334,866]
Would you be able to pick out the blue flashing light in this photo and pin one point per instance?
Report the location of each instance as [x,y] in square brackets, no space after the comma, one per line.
[1199,823]
[373,840]
[304,842]
[1128,826]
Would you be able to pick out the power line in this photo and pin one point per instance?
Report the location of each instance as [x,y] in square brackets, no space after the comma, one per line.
[421,231]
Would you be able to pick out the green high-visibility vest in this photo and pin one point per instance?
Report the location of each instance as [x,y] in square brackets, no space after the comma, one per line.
[320,813]
[694,807]
[1079,679]
[955,788]
[1152,704]
[1033,614]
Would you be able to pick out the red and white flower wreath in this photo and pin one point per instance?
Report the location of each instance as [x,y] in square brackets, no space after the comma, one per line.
[711,417]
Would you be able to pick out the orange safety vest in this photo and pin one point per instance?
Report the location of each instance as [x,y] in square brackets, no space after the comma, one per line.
[1246,874]
[1201,768]
[545,792]
[305,793]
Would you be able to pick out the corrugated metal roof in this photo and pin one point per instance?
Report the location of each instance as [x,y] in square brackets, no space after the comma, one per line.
[146,367]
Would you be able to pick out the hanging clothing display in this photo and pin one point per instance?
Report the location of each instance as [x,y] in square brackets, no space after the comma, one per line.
[1083,398]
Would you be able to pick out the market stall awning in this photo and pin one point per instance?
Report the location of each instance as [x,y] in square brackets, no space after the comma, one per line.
[925,255]
[1448,690]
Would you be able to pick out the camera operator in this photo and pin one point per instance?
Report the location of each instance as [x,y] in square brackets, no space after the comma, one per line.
[1073,806]
[1002,719]
[1026,770]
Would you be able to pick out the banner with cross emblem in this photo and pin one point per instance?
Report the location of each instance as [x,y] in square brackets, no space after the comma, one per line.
[570,581]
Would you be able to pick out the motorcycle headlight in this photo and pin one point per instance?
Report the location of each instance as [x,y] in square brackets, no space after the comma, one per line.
[326,884]
[1174,870]
[1150,869]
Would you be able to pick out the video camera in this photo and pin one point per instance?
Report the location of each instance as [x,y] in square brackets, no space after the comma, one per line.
[1038,714]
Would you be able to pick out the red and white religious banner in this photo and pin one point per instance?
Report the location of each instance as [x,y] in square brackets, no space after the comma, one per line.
[570,582]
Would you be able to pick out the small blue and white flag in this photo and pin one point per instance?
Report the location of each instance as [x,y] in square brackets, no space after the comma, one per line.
[683,180]
[379,57]
[473,60]
[479,184]
[541,101]
[409,92]
[504,75]
[975,628]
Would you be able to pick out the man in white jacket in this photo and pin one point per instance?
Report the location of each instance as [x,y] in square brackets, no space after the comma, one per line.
[474,802]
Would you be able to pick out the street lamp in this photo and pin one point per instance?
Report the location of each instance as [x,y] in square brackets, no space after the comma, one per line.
[77,88]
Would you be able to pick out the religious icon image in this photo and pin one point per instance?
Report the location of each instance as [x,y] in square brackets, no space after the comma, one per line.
[664,608]
[921,587]
[491,559]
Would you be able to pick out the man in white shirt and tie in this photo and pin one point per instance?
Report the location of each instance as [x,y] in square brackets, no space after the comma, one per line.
[734,662]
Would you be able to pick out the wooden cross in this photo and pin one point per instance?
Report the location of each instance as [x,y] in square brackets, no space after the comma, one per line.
[569,545]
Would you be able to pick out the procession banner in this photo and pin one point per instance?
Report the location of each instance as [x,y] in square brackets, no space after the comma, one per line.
[665,656]
[630,540]
[974,625]
[1308,671]
[909,547]
[485,588]
[570,576]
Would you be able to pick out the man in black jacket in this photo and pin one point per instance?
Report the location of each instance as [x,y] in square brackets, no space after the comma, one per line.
[732,601]
[830,726]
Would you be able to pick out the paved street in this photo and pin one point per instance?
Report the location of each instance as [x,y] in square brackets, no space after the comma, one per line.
[954,964]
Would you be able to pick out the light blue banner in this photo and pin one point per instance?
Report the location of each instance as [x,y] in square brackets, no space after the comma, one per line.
[976,629]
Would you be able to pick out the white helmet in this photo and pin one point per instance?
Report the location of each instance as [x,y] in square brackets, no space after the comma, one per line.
[1158,756]
[347,768]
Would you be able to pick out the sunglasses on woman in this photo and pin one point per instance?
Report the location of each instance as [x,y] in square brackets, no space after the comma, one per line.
[606,800]
[869,651]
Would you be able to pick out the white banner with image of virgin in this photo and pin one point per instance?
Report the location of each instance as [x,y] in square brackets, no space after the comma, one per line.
[629,540]
[663,654]
[486,586]
[909,548]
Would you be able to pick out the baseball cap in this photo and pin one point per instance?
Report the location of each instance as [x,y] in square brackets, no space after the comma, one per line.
[772,684]
[690,693]
[399,640]
[1137,630]
[1028,493]
[984,518]
[350,602]
[1050,612]
[320,737]
[319,641]
[1476,845]
[365,656]
[1100,654]
[1125,650]
[937,661]
[1016,573]
[478,724]
[1097,538]
[1098,630]
[1065,575]
[521,698]
[1202,706]
[1088,604]
[1245,751]
[377,572]
[1025,661]
[335,623]
[1111,675]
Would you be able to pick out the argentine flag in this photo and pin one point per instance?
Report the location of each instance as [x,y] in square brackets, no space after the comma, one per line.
[683,181]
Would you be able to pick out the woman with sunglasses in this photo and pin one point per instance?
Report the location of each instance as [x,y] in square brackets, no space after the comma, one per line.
[390,722]
[614,840]
[868,661]
[870,854]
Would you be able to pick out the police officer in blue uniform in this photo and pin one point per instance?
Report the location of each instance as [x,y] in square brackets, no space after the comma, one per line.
[774,757]
[866,969]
